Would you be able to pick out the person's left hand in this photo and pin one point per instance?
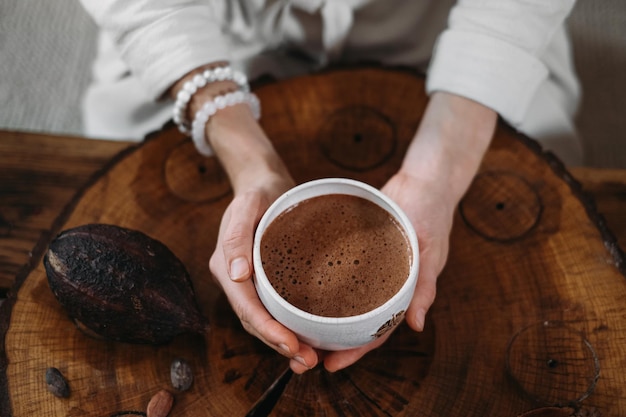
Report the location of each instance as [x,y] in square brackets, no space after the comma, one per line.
[440,163]
[431,215]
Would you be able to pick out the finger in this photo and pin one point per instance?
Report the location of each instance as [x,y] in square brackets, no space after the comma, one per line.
[258,322]
[431,264]
[335,361]
[297,367]
[424,297]
[305,360]
[244,300]
[238,237]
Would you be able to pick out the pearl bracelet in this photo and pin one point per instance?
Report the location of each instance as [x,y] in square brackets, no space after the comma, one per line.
[197,82]
[213,106]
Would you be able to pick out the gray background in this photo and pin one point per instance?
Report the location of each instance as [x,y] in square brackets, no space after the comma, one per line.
[46,47]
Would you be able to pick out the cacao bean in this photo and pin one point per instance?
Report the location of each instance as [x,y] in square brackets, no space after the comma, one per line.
[57,384]
[122,284]
[181,374]
[160,404]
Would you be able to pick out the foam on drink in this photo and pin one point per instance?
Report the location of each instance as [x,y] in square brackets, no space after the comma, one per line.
[336,255]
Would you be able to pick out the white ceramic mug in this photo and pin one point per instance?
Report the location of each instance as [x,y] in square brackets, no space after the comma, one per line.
[336,333]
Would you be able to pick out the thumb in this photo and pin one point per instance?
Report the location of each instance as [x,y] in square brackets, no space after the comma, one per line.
[239,236]
[432,261]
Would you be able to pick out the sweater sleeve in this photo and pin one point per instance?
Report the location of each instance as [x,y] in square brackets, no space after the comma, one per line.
[491,52]
[161,40]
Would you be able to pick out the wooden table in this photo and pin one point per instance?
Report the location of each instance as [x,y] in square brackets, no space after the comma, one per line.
[41,178]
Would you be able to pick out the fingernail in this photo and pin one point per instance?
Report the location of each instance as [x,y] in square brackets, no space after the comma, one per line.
[239,269]
[284,347]
[419,319]
[300,360]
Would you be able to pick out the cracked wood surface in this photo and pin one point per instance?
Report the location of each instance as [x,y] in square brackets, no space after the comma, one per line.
[529,312]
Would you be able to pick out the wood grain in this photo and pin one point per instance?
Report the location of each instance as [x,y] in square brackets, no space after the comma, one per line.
[607,189]
[39,176]
[532,291]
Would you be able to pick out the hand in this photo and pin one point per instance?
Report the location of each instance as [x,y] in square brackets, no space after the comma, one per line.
[231,265]
[430,212]
[258,176]
[438,168]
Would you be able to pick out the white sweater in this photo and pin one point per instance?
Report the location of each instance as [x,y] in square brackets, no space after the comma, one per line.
[510,55]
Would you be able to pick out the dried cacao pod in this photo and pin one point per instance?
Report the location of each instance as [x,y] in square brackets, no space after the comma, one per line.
[122,284]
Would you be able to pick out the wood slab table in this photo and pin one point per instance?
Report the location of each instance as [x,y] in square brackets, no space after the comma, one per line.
[529,319]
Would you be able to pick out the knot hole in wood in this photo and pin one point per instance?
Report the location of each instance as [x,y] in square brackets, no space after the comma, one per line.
[501,206]
[357,138]
[194,177]
[553,364]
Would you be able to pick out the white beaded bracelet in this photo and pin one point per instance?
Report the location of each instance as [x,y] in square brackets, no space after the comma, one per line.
[211,107]
[197,82]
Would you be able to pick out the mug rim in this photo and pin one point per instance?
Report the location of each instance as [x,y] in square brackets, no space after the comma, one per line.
[398,214]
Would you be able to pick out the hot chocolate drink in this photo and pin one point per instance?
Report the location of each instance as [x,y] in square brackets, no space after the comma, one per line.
[336,255]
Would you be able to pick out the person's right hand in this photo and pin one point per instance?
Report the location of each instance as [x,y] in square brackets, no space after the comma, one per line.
[231,265]
[258,176]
